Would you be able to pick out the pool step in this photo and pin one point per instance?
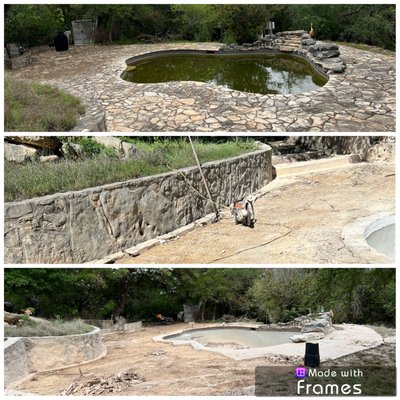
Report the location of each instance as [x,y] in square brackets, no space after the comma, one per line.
[291,44]
[304,167]
[288,49]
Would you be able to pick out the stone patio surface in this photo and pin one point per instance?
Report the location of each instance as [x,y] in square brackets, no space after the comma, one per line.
[360,100]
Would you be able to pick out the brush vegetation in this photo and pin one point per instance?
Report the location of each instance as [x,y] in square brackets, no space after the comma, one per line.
[32,179]
[34,107]
[41,327]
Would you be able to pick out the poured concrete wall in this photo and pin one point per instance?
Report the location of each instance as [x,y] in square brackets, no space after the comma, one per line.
[15,360]
[27,355]
[50,352]
[81,226]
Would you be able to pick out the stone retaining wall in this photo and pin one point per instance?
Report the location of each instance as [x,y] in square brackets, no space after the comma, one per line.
[368,148]
[33,354]
[80,226]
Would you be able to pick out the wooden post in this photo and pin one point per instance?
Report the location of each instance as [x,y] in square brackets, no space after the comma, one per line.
[204,179]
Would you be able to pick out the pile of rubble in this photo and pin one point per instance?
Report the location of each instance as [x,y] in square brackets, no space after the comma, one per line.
[282,359]
[315,329]
[104,385]
[20,149]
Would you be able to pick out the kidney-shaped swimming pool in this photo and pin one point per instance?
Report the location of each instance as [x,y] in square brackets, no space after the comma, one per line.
[264,73]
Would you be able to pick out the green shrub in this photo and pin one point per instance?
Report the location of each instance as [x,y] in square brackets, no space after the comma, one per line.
[91,148]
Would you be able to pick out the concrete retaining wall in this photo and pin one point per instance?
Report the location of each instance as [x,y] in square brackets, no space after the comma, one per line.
[15,360]
[33,354]
[81,226]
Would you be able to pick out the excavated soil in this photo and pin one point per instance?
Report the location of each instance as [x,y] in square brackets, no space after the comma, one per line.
[299,220]
[136,365]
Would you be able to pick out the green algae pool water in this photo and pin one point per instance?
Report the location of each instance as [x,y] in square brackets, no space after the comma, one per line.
[255,73]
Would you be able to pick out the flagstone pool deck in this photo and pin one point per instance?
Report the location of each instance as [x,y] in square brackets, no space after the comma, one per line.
[360,100]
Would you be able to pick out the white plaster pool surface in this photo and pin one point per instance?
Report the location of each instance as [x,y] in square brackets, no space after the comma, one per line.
[374,235]
[381,236]
[345,339]
[243,337]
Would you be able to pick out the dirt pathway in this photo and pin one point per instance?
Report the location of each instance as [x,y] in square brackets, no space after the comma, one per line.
[301,221]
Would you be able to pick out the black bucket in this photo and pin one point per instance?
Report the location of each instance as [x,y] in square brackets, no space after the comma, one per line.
[61,42]
[311,358]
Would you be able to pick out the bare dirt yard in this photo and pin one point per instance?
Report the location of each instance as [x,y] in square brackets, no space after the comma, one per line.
[136,365]
[300,219]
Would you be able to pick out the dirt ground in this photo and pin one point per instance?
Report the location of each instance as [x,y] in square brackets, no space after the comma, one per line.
[300,220]
[175,370]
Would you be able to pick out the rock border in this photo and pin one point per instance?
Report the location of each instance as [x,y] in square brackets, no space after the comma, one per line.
[94,119]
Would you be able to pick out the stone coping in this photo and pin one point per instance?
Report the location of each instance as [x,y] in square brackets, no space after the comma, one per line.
[362,99]
[346,339]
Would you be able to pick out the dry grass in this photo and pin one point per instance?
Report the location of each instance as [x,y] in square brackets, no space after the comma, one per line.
[32,179]
[38,108]
[56,327]
[366,47]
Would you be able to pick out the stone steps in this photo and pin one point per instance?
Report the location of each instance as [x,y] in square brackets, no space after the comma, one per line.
[291,45]
[288,49]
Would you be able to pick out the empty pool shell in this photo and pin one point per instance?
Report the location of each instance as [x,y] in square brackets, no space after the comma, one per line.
[365,236]
[347,340]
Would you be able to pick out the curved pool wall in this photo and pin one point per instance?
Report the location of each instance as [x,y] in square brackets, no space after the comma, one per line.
[241,336]
[228,53]
[373,235]
[26,355]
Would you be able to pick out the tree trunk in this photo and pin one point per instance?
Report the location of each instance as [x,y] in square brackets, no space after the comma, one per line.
[204,308]
[111,29]
[125,287]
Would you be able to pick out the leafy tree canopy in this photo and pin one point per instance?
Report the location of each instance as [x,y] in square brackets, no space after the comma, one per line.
[35,24]
[356,295]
